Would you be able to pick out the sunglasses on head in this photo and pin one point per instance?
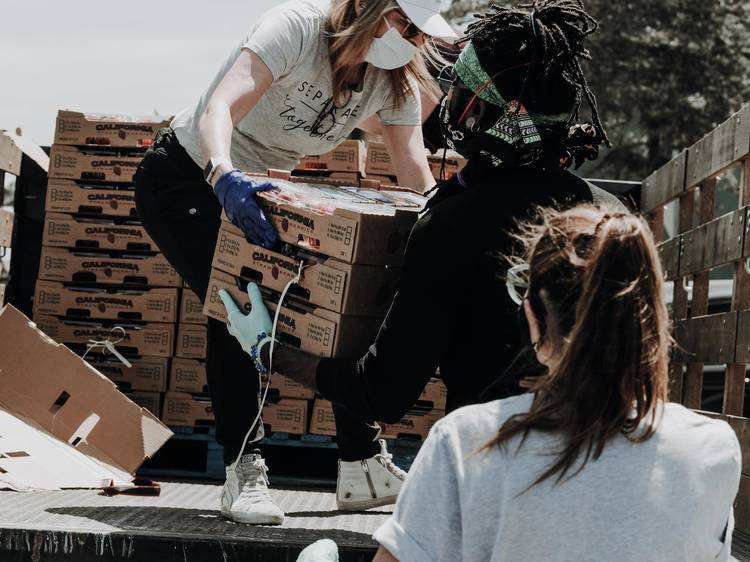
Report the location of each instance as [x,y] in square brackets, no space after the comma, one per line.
[517,282]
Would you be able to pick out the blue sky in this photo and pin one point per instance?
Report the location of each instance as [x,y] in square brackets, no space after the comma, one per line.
[132,57]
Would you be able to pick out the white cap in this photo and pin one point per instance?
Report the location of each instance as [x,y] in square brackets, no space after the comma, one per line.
[426,16]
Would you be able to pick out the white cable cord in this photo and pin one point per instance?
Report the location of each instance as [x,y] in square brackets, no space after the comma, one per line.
[260,434]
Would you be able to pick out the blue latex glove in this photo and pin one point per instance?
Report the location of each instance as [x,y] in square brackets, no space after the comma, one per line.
[236,193]
[324,550]
[252,329]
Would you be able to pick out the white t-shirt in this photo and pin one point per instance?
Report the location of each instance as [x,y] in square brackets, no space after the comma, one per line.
[292,42]
[668,498]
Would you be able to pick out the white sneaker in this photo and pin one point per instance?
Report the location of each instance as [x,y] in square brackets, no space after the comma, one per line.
[245,498]
[369,483]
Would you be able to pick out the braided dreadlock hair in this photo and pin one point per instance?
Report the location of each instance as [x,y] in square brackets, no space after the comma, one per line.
[536,49]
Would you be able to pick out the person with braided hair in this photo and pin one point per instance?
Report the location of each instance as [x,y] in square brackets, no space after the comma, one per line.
[512,101]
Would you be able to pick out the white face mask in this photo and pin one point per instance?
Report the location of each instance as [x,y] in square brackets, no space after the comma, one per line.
[391,51]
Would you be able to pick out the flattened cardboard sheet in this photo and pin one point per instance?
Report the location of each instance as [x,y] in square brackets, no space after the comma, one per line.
[65,424]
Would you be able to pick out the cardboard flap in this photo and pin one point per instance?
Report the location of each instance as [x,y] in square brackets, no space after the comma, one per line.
[12,149]
[49,384]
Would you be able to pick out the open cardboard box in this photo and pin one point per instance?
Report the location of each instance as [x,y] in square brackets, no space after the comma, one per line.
[147,373]
[363,226]
[102,130]
[188,375]
[191,308]
[192,341]
[143,305]
[349,156]
[67,196]
[62,423]
[65,231]
[68,162]
[315,330]
[150,338]
[106,268]
[360,290]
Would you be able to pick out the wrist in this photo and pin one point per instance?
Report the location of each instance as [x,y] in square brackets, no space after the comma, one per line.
[220,170]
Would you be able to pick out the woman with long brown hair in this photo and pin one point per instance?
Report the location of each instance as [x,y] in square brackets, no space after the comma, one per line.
[592,463]
[306,75]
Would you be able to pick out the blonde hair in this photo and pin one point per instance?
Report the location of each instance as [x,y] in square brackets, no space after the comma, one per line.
[350,37]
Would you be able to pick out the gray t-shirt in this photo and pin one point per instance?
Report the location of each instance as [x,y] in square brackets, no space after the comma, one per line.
[668,498]
[291,40]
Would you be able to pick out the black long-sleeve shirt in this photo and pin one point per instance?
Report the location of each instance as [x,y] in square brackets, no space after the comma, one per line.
[452,309]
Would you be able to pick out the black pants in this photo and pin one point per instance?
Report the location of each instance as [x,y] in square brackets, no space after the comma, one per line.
[180,212]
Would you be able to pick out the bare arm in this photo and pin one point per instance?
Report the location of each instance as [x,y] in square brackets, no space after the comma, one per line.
[235,96]
[382,555]
[372,124]
[406,147]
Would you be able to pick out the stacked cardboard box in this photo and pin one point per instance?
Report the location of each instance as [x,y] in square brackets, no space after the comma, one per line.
[344,164]
[101,276]
[379,166]
[350,242]
[187,402]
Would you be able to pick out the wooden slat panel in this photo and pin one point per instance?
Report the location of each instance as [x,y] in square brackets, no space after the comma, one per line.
[679,299]
[706,339]
[715,243]
[743,337]
[694,376]
[669,252]
[664,184]
[10,155]
[720,148]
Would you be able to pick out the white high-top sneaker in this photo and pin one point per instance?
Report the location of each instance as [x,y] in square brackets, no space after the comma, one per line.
[369,483]
[245,497]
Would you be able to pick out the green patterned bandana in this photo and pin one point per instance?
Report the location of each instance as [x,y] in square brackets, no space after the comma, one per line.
[472,74]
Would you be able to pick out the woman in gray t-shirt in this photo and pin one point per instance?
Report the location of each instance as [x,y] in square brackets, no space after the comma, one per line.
[594,463]
[306,75]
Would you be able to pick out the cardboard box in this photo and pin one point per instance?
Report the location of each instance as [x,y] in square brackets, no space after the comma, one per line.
[435,393]
[152,339]
[322,422]
[191,308]
[60,264]
[349,156]
[147,305]
[68,162]
[314,330]
[149,400]
[188,375]
[98,129]
[362,290]
[187,410]
[65,231]
[69,424]
[286,416]
[383,180]
[192,341]
[362,226]
[379,160]
[66,196]
[6,228]
[454,163]
[147,373]
[284,387]
[411,426]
